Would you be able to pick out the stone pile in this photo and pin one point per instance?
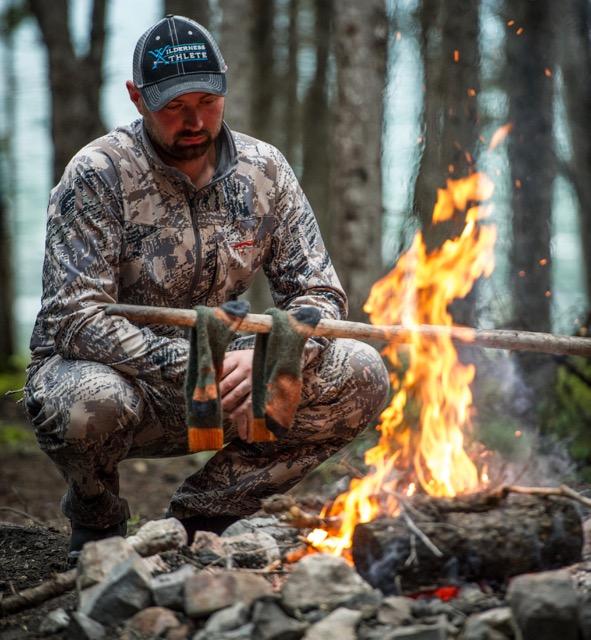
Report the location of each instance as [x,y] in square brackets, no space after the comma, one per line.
[235,587]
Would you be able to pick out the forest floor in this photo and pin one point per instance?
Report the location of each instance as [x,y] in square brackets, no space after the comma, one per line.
[34,533]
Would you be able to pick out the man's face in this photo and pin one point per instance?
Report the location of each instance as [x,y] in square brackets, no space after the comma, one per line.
[187,126]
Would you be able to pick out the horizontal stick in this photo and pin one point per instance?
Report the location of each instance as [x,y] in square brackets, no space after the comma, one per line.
[488,338]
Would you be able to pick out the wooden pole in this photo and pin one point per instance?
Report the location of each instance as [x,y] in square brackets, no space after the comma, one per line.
[488,338]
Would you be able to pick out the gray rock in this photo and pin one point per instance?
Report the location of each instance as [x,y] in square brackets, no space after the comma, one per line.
[228,619]
[208,549]
[396,610]
[98,558]
[272,623]
[340,625]
[321,581]
[84,628]
[246,632]
[545,605]
[585,616]
[54,621]
[208,591]
[152,622]
[124,592]
[420,632]
[168,589]
[269,524]
[254,550]
[496,624]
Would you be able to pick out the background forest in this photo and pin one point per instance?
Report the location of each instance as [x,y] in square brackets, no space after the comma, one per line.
[375,104]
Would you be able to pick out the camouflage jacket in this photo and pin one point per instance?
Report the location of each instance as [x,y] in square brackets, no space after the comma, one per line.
[125,227]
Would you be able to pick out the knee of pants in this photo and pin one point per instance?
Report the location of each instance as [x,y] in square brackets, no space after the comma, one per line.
[76,403]
[368,376]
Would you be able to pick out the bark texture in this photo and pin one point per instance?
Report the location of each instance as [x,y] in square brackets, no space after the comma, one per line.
[75,80]
[530,58]
[361,31]
[488,539]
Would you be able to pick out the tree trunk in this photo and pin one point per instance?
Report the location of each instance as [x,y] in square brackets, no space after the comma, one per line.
[530,88]
[361,31]
[317,153]
[450,50]
[198,10]
[292,111]
[7,343]
[75,81]
[574,57]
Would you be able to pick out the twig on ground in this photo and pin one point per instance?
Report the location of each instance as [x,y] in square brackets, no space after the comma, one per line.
[24,514]
[424,539]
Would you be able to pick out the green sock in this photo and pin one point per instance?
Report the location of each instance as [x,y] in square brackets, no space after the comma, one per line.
[207,345]
[277,371]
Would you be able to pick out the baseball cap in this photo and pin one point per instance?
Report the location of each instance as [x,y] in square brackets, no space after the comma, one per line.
[176,56]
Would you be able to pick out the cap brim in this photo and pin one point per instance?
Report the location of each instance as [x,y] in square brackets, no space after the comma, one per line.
[156,96]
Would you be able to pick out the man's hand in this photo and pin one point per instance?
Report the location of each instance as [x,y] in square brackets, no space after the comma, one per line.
[235,389]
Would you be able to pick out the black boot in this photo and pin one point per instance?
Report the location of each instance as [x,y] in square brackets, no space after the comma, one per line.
[217,524]
[81,535]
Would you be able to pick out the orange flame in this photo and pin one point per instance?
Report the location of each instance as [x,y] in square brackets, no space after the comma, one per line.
[423,430]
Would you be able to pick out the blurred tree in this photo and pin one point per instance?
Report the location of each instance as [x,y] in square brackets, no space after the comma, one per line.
[450,52]
[290,82]
[316,123]
[451,61]
[75,80]
[7,342]
[530,56]
[361,35]
[199,10]
[575,61]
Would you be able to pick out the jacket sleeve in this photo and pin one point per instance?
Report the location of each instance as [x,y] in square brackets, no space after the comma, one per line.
[298,266]
[81,275]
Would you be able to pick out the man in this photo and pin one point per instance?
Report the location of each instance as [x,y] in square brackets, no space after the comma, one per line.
[177,210]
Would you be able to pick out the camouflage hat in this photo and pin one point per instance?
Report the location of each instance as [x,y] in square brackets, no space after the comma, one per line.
[176,56]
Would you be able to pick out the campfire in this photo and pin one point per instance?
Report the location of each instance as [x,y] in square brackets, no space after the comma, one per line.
[425,432]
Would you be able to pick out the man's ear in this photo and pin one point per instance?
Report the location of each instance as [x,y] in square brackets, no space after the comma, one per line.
[135,96]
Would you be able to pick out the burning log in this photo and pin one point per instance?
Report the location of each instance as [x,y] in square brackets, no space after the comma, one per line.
[492,338]
[440,541]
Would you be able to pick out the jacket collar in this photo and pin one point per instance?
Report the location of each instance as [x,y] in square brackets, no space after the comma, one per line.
[227,154]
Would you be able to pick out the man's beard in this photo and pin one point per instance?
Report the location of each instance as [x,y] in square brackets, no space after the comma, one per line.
[176,151]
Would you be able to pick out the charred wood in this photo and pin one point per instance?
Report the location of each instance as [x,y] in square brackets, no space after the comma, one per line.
[488,538]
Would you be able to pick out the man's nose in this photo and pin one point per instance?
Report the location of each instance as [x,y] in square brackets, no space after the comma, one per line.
[193,118]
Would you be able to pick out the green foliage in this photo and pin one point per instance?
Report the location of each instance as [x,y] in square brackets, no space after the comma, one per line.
[12,378]
[16,438]
[567,416]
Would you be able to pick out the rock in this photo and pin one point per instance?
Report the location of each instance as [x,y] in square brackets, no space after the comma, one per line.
[168,589]
[585,616]
[246,632]
[208,549]
[338,625]
[254,550]
[228,618]
[54,621]
[496,624]
[159,535]
[152,622]
[269,524]
[396,611]
[321,581]
[124,592]
[84,628]
[208,591]
[545,605]
[420,632]
[98,558]
[182,632]
[272,623]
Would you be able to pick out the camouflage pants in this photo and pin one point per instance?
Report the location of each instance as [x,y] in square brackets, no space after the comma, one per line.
[88,417]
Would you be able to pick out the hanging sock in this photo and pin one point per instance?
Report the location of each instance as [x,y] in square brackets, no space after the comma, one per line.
[277,371]
[208,340]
